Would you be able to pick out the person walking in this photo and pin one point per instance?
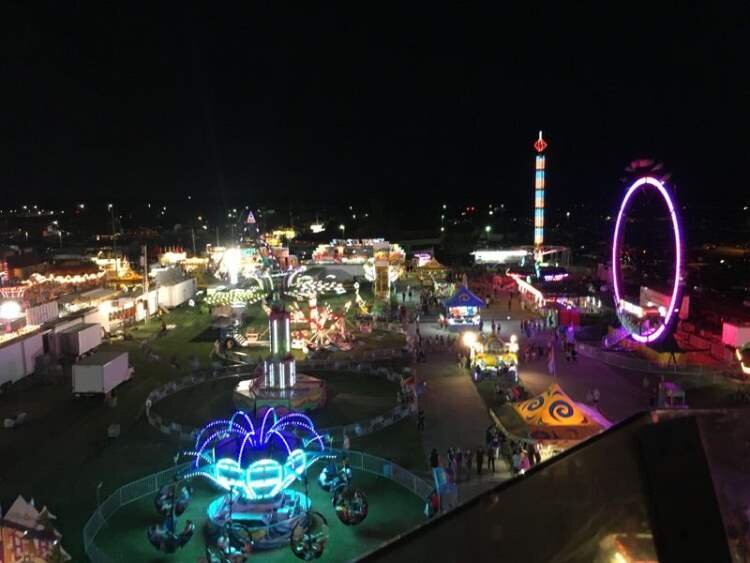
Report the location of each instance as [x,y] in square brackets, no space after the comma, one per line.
[469,458]
[434,458]
[537,450]
[491,454]
[552,363]
[524,463]
[516,461]
[480,459]
[459,463]
[420,420]
[493,326]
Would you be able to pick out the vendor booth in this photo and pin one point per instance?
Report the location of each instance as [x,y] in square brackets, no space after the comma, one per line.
[431,271]
[491,356]
[551,419]
[555,416]
[462,310]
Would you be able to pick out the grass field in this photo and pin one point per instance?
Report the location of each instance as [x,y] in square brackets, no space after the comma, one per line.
[400,443]
[352,397]
[62,452]
[392,510]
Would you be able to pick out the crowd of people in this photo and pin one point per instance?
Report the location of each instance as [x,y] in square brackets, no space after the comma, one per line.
[460,464]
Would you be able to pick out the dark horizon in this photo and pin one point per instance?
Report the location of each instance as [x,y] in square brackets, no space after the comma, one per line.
[128,103]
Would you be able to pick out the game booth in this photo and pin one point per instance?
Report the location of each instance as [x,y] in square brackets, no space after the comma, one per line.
[553,419]
[463,309]
[492,356]
[431,271]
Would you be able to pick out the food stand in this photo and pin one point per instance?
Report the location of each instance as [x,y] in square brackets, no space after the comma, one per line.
[463,309]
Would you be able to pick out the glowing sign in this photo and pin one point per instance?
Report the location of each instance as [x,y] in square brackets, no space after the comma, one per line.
[498,256]
[525,287]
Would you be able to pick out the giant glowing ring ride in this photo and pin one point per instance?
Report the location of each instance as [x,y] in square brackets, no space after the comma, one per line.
[743,357]
[647,326]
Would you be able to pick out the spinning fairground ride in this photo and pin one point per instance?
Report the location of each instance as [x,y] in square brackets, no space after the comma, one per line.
[254,462]
[651,316]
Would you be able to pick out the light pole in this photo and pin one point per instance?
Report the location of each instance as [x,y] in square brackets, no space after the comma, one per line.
[111,209]
[487,230]
[342,227]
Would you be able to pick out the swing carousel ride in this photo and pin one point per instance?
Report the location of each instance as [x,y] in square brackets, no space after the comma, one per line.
[255,463]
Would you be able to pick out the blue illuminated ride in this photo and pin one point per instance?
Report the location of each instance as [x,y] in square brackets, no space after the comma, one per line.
[255,462]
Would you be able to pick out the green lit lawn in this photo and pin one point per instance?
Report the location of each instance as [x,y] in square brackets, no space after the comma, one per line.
[352,397]
[392,510]
[401,443]
[62,452]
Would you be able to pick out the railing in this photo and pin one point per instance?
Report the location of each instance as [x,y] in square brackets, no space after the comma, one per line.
[618,360]
[186,434]
[151,484]
[121,497]
[354,357]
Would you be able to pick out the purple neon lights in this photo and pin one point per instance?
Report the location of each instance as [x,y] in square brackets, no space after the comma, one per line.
[616,244]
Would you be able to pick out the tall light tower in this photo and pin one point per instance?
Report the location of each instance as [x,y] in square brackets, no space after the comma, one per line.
[540,145]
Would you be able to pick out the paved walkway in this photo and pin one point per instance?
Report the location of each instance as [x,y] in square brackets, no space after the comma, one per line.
[455,416]
[621,393]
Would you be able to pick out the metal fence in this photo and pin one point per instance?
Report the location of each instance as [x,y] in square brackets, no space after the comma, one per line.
[121,497]
[640,364]
[151,484]
[184,433]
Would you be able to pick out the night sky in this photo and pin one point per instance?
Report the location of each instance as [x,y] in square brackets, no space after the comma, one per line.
[110,100]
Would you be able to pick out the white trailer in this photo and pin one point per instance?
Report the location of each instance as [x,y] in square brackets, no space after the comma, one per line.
[100,373]
[81,338]
[735,335]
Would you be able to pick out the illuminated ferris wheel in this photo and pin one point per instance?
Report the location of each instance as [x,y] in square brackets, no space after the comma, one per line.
[648,322]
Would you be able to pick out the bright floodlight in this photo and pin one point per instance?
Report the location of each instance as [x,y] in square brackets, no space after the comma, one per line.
[469,338]
[232,258]
[10,310]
